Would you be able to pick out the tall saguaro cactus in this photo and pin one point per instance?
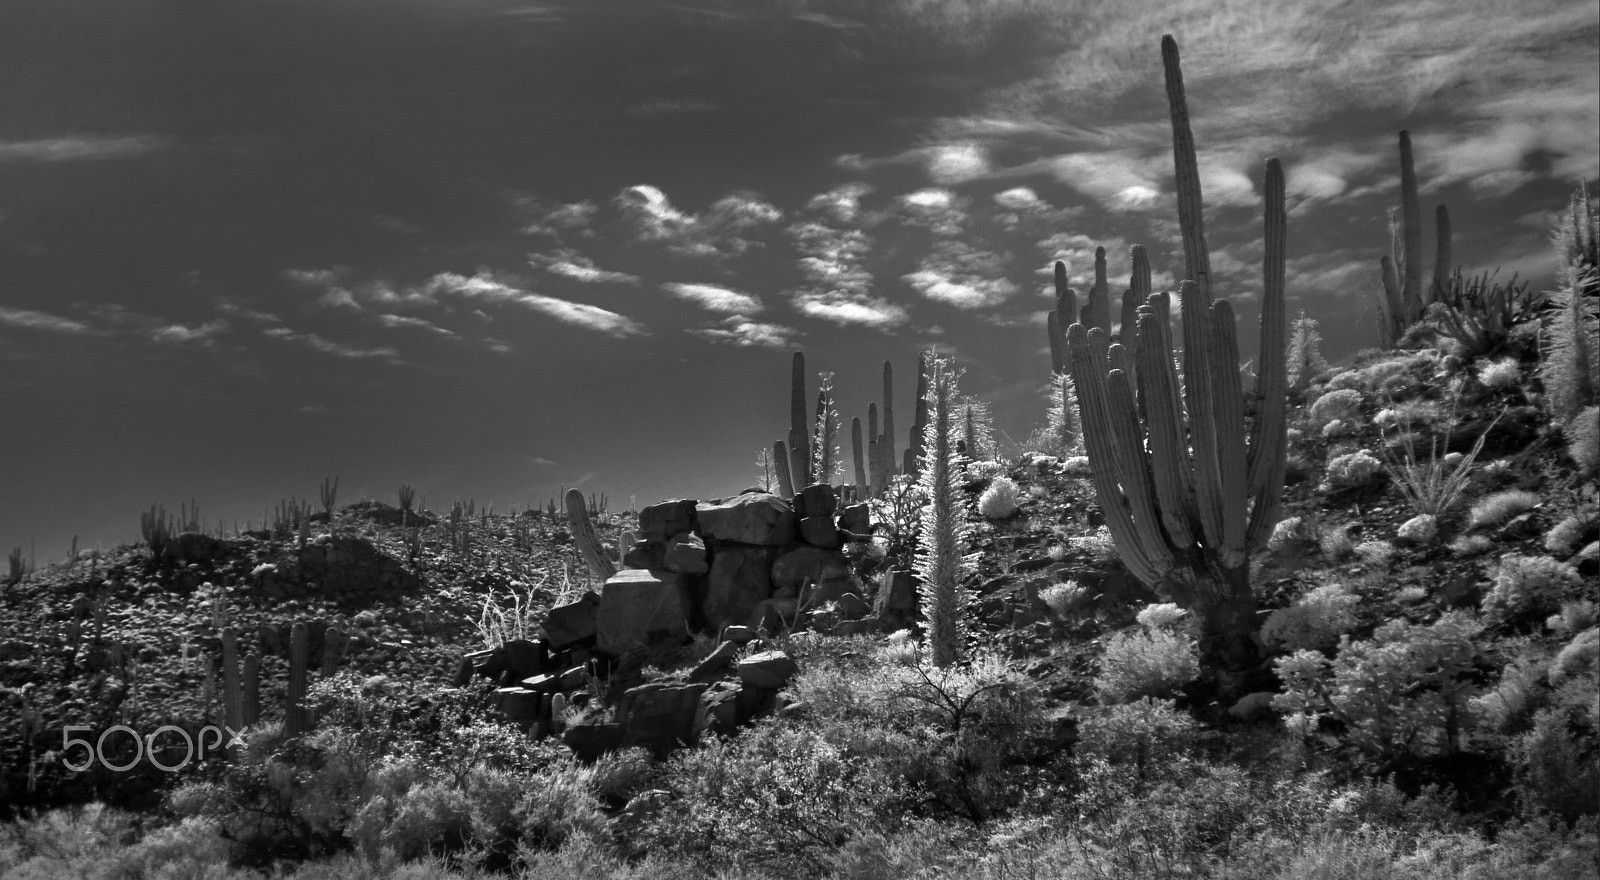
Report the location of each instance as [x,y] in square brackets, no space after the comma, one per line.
[1189,490]
[886,441]
[799,426]
[1197,257]
[297,716]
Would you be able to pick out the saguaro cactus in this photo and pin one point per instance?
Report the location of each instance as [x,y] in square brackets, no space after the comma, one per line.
[588,543]
[251,690]
[232,691]
[297,716]
[861,462]
[886,440]
[799,425]
[1191,223]
[780,455]
[1188,490]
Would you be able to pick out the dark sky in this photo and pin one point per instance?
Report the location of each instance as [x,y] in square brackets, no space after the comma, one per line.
[494,248]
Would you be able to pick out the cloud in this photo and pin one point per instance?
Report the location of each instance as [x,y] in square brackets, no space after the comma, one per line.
[484,287]
[841,307]
[316,277]
[740,331]
[539,460]
[833,257]
[554,220]
[336,349]
[963,276]
[229,307]
[715,299]
[392,321]
[842,204]
[938,209]
[719,232]
[79,149]
[180,334]
[958,162]
[337,298]
[32,320]
[568,263]
[1017,198]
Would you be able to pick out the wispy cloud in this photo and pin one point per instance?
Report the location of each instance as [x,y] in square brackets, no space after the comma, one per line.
[568,263]
[31,320]
[714,298]
[719,232]
[485,287]
[182,334]
[79,148]
[335,349]
[416,323]
[544,218]
[841,307]
[745,333]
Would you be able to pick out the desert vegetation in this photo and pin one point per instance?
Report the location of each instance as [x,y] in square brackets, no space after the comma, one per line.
[1338,621]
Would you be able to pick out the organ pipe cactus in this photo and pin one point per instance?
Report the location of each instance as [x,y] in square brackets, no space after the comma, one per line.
[583,535]
[1191,223]
[780,454]
[886,442]
[861,463]
[1187,488]
[232,687]
[1405,299]
[799,426]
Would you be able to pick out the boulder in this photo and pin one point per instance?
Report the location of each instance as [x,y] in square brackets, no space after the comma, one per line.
[520,704]
[524,657]
[658,522]
[739,635]
[769,669]
[816,500]
[857,520]
[640,607]
[740,580]
[686,554]
[774,615]
[819,531]
[867,627]
[759,518]
[853,607]
[645,554]
[660,717]
[896,603]
[825,572]
[590,741]
[713,667]
[572,623]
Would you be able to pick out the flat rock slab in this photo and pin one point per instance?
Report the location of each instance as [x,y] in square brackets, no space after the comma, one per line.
[769,669]
[658,522]
[639,607]
[572,623]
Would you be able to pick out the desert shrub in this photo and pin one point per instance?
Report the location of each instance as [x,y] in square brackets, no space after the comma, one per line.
[1376,553]
[558,805]
[1510,703]
[1338,428]
[1409,413]
[1420,529]
[1471,545]
[618,776]
[1529,585]
[1580,656]
[1143,732]
[776,795]
[1293,535]
[1554,775]
[1342,405]
[1160,615]
[1496,509]
[1145,663]
[1574,617]
[999,501]
[1500,374]
[1063,597]
[1583,439]
[1314,622]
[1354,469]
[1336,543]
[1077,466]
[984,470]
[1099,546]
[1397,693]
[1565,537]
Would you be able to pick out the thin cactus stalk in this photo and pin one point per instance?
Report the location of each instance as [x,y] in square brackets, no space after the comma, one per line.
[296,714]
[915,451]
[886,441]
[232,691]
[861,462]
[780,456]
[624,543]
[330,494]
[874,453]
[1190,490]
[1058,342]
[588,543]
[799,425]
[333,645]
[1100,294]
[1191,223]
[939,560]
[250,690]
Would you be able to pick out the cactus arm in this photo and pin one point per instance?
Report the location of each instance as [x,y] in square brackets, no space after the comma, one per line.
[1200,397]
[251,690]
[1230,433]
[1393,312]
[232,692]
[1058,354]
[1197,257]
[583,535]
[1269,439]
[1100,294]
[1169,455]
[296,715]
[1066,301]
[861,462]
[1094,414]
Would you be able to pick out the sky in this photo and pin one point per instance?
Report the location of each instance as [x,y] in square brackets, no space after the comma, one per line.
[491,248]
